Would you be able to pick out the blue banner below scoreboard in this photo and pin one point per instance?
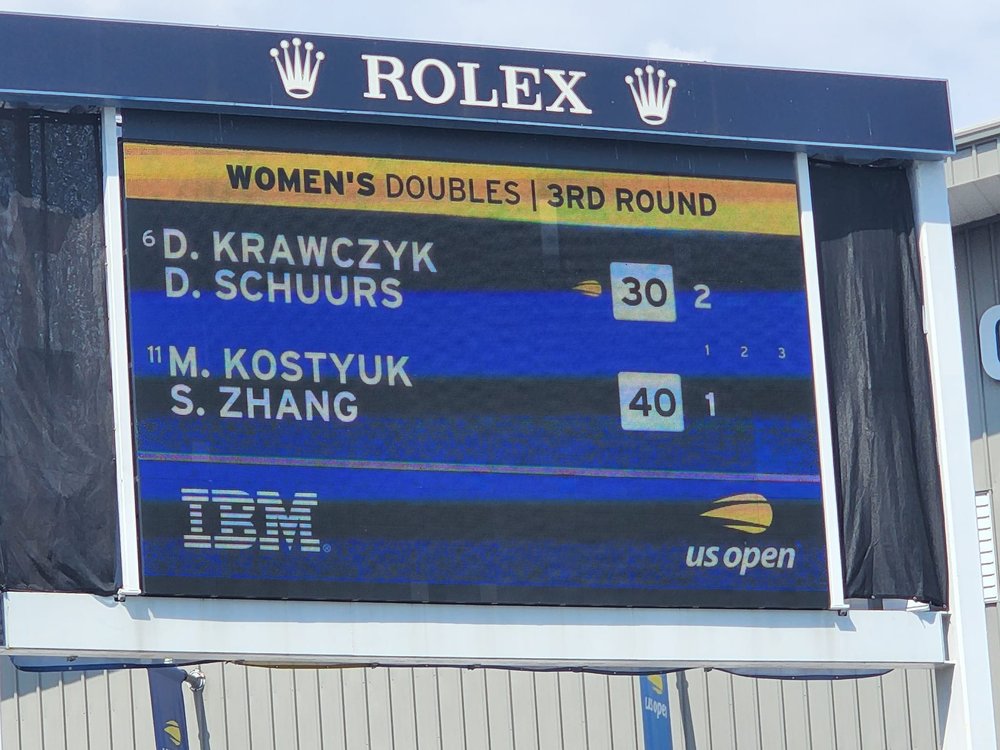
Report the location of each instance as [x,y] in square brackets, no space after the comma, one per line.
[654,703]
[419,379]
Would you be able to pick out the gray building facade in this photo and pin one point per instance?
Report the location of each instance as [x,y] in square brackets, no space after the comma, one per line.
[380,708]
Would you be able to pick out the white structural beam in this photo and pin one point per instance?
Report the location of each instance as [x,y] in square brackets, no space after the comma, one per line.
[128,530]
[821,388]
[965,701]
[315,632]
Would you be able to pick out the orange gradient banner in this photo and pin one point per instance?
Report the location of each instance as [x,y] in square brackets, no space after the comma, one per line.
[478,191]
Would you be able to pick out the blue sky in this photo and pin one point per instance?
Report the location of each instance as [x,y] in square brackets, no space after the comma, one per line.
[956,40]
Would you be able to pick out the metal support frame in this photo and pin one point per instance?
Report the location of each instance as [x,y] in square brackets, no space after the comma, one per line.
[452,634]
[964,690]
[128,527]
[953,643]
[196,681]
[824,427]
[312,632]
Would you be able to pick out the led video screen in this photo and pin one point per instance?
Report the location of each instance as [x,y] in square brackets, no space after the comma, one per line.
[388,378]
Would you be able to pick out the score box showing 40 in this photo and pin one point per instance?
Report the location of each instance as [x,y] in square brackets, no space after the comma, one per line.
[651,401]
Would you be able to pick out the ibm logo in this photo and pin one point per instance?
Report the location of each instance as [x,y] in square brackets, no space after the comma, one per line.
[241,521]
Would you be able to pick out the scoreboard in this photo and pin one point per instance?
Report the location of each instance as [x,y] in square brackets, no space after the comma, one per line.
[454,377]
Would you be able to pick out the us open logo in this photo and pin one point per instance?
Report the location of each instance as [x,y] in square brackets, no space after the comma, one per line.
[749,513]
[173,731]
[658,708]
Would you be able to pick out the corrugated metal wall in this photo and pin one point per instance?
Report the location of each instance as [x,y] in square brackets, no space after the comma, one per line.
[468,709]
[977,265]
[977,261]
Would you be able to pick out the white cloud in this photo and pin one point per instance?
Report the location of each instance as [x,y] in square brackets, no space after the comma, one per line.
[667,51]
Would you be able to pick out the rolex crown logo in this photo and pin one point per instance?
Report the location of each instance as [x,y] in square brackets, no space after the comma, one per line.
[297,70]
[651,93]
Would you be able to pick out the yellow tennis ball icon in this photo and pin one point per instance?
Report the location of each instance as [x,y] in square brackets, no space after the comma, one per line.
[747,512]
[173,731]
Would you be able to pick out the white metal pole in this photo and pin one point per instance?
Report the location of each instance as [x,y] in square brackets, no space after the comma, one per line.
[128,531]
[824,427]
[965,697]
[12,698]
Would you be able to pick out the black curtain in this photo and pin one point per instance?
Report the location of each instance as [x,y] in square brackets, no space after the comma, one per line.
[888,485]
[58,507]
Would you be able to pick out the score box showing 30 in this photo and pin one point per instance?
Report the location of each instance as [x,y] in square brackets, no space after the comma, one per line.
[643,291]
[651,401]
